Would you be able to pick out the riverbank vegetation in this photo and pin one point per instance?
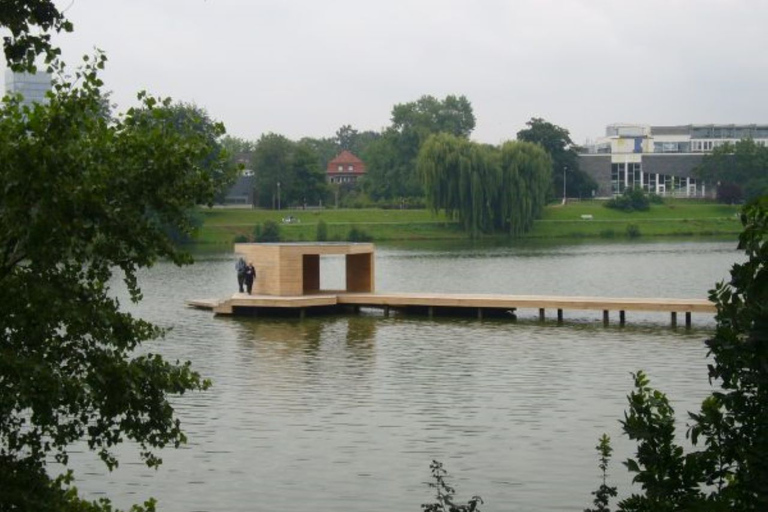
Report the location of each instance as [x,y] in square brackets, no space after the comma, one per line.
[584,219]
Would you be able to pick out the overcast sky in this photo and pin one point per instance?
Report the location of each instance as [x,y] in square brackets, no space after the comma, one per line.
[306,67]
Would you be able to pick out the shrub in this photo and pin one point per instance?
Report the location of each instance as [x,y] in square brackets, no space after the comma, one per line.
[633,199]
[241,239]
[269,232]
[633,231]
[321,233]
[358,235]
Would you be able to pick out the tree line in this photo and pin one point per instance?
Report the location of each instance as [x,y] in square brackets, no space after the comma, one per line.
[391,156]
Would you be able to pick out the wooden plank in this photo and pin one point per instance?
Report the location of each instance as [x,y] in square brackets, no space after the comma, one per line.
[533,302]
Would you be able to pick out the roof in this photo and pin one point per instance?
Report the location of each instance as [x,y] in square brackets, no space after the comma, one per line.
[345,157]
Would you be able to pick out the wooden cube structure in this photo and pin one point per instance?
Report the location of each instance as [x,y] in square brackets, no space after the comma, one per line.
[290,269]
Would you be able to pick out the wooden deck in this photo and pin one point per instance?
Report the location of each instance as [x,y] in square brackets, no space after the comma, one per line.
[475,304]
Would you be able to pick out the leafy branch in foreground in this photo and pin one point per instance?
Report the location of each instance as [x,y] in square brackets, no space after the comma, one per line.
[604,493]
[445,493]
[730,472]
[86,197]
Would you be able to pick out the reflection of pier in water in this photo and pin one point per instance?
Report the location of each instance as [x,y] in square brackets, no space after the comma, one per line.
[288,283]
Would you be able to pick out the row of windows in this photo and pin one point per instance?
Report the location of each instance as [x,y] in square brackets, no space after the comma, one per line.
[343,179]
[694,146]
[729,132]
[349,168]
[631,175]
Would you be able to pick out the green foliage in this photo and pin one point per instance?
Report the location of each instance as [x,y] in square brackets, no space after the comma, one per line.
[348,138]
[735,425]
[391,160]
[557,142]
[240,239]
[358,235]
[190,118]
[287,173]
[30,23]
[741,169]
[86,198]
[633,199]
[730,472]
[633,231]
[268,232]
[321,233]
[669,478]
[487,189]
[604,493]
[445,493]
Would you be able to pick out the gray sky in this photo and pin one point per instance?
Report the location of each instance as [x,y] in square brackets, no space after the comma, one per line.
[306,67]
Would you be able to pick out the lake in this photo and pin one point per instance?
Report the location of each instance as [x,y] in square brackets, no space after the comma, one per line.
[345,413]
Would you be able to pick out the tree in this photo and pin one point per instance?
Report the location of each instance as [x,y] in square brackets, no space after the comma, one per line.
[24,44]
[86,198]
[740,170]
[488,189]
[287,173]
[557,142]
[353,140]
[271,161]
[730,472]
[391,159]
[309,185]
[219,164]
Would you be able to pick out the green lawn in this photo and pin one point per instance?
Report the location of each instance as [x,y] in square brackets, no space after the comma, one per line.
[674,218]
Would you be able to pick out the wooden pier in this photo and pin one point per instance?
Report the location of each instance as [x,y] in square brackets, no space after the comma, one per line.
[434,304]
[288,281]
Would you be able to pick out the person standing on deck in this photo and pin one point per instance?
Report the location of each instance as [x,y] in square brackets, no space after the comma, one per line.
[240,266]
[250,275]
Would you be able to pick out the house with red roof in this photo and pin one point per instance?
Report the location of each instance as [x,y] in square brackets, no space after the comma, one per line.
[345,168]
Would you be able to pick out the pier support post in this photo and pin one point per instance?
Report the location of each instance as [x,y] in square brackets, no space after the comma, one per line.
[541,314]
[386,311]
[622,317]
[479,313]
[302,313]
[673,318]
[687,319]
[605,317]
[559,316]
[430,312]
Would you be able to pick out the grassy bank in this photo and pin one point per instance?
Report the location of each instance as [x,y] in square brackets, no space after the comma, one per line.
[674,218]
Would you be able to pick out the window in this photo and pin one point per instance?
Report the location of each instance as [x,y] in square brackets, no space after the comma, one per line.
[351,168]
[341,168]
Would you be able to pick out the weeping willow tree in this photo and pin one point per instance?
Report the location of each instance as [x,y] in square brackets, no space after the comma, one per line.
[487,189]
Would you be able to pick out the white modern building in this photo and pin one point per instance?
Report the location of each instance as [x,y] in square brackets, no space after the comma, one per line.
[659,159]
[32,86]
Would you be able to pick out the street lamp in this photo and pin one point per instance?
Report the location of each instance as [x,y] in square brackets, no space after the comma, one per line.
[565,168]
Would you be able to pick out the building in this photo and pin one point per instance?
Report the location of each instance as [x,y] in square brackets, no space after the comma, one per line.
[345,168]
[32,86]
[659,159]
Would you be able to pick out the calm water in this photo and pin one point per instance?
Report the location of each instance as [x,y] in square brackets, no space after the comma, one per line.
[345,413]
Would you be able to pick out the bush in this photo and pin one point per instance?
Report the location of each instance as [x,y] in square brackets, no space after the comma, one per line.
[269,232]
[321,233]
[633,231]
[633,199]
[358,235]
[241,239]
